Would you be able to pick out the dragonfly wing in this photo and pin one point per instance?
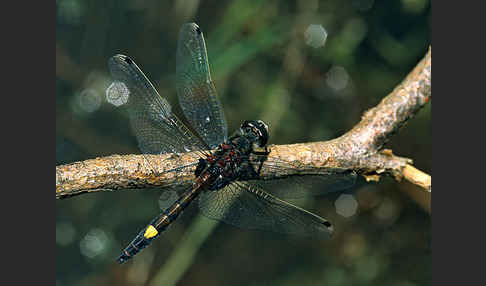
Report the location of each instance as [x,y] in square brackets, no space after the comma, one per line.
[246,205]
[157,129]
[195,89]
[303,181]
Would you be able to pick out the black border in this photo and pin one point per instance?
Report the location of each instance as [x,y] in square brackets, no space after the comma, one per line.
[28,108]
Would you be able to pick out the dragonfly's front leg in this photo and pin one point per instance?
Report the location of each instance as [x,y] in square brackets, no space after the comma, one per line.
[263,153]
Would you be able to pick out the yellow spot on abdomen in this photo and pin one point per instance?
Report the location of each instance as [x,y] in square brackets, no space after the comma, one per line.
[150,232]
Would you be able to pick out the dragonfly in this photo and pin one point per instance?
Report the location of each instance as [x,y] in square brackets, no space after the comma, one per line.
[227,184]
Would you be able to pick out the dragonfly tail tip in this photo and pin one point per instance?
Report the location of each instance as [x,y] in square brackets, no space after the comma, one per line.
[122,259]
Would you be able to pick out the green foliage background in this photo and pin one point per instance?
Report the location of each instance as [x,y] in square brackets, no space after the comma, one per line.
[263,69]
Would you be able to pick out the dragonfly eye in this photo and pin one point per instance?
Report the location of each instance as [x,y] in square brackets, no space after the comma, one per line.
[259,130]
[263,128]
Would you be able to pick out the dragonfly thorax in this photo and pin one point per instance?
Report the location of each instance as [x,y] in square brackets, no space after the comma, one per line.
[230,161]
[223,166]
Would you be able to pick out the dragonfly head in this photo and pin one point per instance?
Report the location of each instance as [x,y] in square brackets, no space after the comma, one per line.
[257,130]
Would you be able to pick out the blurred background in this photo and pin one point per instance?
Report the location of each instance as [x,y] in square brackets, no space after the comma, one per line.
[309,69]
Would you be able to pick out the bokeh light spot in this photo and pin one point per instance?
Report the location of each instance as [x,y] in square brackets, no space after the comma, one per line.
[167,198]
[315,36]
[362,5]
[117,93]
[337,78]
[88,100]
[65,233]
[346,205]
[94,243]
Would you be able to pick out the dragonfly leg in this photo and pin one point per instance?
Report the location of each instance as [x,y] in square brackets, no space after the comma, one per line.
[263,152]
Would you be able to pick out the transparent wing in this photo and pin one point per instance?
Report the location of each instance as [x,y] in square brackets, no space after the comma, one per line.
[196,91]
[247,206]
[157,129]
[301,180]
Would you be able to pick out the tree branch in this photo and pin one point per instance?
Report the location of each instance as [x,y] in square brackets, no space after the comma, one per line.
[418,178]
[359,150]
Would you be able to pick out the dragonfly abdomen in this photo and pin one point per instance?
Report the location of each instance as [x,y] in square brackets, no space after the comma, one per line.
[171,214]
[162,221]
[156,226]
[137,244]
